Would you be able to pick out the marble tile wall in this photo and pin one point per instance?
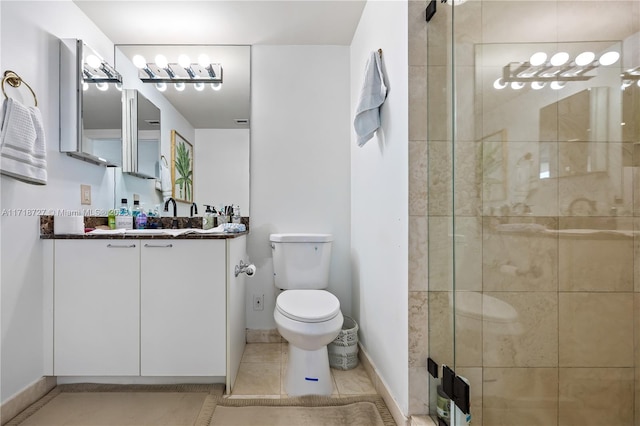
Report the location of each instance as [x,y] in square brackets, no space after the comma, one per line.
[547,275]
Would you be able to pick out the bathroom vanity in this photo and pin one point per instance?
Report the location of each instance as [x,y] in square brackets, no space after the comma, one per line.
[148,307]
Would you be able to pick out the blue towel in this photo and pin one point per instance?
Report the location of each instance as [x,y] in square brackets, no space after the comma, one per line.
[372,96]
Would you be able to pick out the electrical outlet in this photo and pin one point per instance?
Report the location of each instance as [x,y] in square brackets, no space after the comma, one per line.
[85,194]
[258,302]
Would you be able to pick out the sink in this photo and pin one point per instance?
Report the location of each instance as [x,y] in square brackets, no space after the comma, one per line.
[141,232]
[149,231]
[172,232]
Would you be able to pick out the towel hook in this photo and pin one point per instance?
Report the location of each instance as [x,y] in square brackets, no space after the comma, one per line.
[14,80]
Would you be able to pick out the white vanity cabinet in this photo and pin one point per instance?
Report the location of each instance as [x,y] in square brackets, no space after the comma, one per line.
[152,308]
[96,308]
[182,310]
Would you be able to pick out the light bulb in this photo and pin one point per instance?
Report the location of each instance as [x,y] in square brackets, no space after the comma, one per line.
[517,85]
[499,84]
[102,86]
[557,85]
[184,61]
[585,58]
[161,61]
[119,86]
[609,58]
[199,86]
[537,85]
[216,86]
[638,83]
[538,58]
[203,60]
[161,86]
[139,61]
[85,86]
[559,59]
[93,61]
[179,86]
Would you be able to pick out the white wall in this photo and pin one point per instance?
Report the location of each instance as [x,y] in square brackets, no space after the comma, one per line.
[30,48]
[29,45]
[221,167]
[379,200]
[299,161]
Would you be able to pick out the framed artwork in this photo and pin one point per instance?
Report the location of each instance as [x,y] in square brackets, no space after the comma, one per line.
[181,168]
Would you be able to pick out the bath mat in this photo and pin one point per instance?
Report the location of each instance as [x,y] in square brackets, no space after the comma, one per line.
[303,411]
[90,404]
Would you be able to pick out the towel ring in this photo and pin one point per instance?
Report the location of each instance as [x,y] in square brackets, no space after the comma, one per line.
[14,80]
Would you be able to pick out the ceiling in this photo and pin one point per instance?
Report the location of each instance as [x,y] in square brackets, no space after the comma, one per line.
[237,22]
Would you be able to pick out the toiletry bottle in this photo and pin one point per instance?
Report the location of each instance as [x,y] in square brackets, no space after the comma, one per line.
[141,220]
[136,209]
[124,220]
[208,218]
[111,219]
[236,215]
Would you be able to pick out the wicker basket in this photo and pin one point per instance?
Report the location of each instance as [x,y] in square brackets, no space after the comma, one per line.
[343,351]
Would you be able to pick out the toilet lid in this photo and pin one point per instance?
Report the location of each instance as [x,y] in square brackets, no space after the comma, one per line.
[308,305]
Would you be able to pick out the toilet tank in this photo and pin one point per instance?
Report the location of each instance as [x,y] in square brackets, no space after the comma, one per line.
[301,261]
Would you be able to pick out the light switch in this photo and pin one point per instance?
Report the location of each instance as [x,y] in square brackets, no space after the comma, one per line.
[85,194]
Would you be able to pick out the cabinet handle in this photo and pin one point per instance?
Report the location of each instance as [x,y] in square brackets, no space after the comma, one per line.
[159,245]
[120,246]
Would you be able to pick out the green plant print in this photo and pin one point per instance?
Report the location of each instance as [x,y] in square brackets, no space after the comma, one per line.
[184,170]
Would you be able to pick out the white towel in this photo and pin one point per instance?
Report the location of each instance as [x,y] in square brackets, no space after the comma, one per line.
[23,152]
[372,95]
[165,181]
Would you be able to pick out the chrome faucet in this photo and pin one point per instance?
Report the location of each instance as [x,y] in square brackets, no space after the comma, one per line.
[174,222]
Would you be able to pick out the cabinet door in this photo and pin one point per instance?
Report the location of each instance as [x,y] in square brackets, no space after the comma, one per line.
[96,314]
[236,322]
[183,308]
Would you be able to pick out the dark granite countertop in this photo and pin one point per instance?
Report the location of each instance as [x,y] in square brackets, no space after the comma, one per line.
[93,222]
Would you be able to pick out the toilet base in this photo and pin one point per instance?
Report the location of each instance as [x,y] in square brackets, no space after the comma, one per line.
[308,372]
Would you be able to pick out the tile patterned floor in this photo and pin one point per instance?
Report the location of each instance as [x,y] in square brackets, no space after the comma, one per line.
[262,371]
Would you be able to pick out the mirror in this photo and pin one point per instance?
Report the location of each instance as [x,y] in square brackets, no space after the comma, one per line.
[141,136]
[216,122]
[90,105]
[580,124]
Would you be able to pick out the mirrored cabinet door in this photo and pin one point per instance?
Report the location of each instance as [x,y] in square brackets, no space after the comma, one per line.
[141,136]
[90,105]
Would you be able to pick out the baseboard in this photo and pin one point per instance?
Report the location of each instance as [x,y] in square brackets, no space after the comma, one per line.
[263,336]
[17,403]
[382,388]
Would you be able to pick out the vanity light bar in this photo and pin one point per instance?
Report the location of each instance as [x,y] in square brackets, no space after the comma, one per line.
[557,71]
[175,73]
[99,72]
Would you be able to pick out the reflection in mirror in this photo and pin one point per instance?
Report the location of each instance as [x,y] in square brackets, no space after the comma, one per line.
[216,122]
[142,136]
[580,124]
[90,105]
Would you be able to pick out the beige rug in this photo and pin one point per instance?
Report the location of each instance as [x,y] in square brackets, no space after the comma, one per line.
[193,405]
[89,404]
[303,411]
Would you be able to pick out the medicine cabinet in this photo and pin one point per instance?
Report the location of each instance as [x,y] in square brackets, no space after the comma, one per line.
[91,114]
[141,141]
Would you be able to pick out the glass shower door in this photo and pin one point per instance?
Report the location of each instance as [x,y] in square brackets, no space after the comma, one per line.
[534,209]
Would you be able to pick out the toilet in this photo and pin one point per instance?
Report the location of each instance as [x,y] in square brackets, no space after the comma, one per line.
[306,315]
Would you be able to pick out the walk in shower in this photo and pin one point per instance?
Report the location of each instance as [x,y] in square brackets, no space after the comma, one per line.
[532,164]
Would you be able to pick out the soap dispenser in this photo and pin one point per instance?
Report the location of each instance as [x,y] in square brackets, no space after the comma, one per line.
[208,218]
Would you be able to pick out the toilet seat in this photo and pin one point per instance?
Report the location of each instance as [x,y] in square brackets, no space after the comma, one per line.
[308,305]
